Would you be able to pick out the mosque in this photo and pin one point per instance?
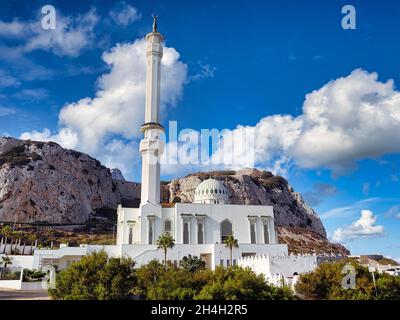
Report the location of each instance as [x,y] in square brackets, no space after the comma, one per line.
[198,228]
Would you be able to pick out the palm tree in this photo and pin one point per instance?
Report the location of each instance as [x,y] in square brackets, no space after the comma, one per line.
[230,242]
[165,242]
[5,260]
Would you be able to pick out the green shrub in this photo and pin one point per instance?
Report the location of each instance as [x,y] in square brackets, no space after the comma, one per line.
[236,283]
[95,277]
[325,283]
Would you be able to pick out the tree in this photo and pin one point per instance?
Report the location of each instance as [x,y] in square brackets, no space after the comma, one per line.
[95,277]
[192,263]
[230,242]
[235,283]
[5,260]
[165,242]
[155,282]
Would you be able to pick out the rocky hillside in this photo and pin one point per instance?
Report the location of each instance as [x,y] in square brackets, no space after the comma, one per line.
[42,182]
[300,240]
[251,186]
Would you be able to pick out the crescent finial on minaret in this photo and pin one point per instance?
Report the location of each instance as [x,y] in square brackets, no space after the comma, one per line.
[155,17]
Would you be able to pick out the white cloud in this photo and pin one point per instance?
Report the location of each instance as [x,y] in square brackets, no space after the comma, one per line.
[349,119]
[6,111]
[206,71]
[105,126]
[394,212]
[72,34]
[65,137]
[7,80]
[32,94]
[124,14]
[348,210]
[12,29]
[365,227]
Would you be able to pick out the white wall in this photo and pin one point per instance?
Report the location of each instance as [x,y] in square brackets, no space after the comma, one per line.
[18,262]
[10,284]
[284,265]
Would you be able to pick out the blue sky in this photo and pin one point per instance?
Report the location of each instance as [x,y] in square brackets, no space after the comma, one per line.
[248,63]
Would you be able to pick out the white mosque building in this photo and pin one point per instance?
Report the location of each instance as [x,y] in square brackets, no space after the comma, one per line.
[199,228]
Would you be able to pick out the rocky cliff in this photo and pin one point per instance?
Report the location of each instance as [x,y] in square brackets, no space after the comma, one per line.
[42,182]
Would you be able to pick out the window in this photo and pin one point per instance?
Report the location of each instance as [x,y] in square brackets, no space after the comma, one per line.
[200,231]
[130,240]
[266,232]
[151,231]
[226,229]
[167,226]
[185,232]
[253,232]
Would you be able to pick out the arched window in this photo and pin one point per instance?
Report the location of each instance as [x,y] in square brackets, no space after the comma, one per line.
[130,240]
[151,231]
[266,232]
[185,232]
[167,226]
[200,231]
[253,232]
[226,229]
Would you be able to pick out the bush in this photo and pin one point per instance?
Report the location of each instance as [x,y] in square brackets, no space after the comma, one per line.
[236,283]
[95,277]
[325,283]
[155,282]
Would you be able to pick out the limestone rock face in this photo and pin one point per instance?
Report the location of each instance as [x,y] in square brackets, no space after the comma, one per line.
[255,187]
[42,182]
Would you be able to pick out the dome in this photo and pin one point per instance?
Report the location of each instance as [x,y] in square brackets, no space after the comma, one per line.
[211,191]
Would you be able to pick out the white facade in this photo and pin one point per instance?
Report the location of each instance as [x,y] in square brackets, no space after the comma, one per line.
[194,223]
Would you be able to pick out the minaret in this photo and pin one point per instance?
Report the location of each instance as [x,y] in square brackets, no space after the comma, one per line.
[151,147]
